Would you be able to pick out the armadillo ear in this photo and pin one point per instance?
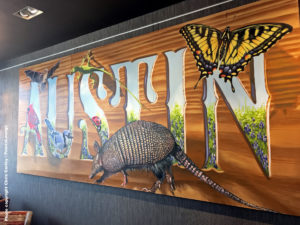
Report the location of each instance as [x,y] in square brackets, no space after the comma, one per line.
[97,147]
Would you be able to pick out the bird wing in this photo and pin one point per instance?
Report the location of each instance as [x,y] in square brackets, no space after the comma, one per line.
[33,118]
[58,140]
[52,70]
[34,75]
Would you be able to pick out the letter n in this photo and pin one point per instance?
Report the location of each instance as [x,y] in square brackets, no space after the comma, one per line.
[251,114]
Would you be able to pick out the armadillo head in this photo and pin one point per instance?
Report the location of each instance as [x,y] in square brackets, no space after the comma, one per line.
[97,162]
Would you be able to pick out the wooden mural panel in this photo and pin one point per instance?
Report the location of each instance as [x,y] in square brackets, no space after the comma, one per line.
[243,133]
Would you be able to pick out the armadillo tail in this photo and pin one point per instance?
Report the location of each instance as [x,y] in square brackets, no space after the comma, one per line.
[189,165]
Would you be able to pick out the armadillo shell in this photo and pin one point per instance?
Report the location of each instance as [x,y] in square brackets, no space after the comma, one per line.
[138,144]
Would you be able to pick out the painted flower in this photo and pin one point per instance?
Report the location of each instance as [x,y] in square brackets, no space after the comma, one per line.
[209,133]
[247,129]
[181,143]
[255,145]
[264,138]
[261,125]
[259,137]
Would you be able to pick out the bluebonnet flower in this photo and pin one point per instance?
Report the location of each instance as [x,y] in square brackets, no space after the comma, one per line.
[264,138]
[85,154]
[264,166]
[259,137]
[181,143]
[261,125]
[255,145]
[104,135]
[209,132]
[214,126]
[213,159]
[259,150]
[253,119]
[247,129]
[174,133]
[214,144]
[252,135]
[264,161]
[209,120]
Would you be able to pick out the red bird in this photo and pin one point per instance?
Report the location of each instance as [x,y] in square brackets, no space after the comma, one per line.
[97,122]
[33,122]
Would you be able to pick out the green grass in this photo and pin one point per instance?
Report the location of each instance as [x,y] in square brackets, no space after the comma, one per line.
[177,125]
[253,122]
[132,117]
[211,131]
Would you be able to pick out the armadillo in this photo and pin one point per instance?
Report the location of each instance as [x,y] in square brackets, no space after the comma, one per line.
[142,144]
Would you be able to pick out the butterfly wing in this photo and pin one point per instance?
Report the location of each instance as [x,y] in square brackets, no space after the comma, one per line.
[247,42]
[204,42]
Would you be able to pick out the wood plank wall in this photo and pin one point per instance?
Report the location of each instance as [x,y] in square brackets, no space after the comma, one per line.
[242,174]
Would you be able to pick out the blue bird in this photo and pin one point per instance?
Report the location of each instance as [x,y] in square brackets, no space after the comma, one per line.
[59,140]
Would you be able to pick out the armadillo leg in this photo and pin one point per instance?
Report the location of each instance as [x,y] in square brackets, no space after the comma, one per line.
[170,179]
[125,180]
[160,173]
[103,177]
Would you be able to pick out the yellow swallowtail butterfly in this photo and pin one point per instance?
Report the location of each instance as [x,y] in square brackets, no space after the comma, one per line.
[230,51]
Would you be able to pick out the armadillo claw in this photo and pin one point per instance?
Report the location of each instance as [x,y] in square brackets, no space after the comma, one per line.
[171,182]
[146,190]
[155,186]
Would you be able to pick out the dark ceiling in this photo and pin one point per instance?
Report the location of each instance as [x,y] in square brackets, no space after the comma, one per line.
[63,20]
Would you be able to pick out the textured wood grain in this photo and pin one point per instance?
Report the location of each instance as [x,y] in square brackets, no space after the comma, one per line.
[242,174]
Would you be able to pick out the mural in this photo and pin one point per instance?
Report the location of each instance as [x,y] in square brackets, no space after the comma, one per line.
[118,111]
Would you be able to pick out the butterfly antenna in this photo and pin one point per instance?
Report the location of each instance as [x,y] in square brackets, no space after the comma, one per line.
[197,83]
[232,87]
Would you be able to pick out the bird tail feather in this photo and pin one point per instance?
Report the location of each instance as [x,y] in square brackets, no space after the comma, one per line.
[38,135]
[49,125]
